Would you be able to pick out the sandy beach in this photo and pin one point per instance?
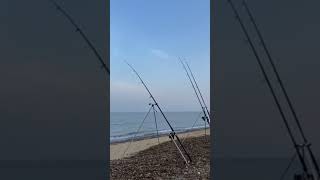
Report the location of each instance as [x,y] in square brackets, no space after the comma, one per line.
[117,149]
[147,159]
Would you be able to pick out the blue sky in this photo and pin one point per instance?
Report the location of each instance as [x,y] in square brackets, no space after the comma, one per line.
[151,35]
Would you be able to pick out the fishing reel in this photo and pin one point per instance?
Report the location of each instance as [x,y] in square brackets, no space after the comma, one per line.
[152,104]
[205,119]
[303,177]
[171,135]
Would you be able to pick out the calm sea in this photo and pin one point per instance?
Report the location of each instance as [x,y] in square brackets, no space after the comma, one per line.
[124,125]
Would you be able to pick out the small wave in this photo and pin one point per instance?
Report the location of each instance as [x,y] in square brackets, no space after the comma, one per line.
[148,134]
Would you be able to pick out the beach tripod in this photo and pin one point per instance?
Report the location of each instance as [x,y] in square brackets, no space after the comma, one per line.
[194,123]
[154,111]
[172,135]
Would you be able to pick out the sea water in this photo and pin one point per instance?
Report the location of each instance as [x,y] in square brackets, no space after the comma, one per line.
[125,125]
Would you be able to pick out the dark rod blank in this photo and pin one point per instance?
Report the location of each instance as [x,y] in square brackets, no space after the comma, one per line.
[83,35]
[195,90]
[195,82]
[281,85]
[304,166]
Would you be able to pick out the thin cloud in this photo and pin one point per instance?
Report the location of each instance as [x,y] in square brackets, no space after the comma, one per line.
[123,87]
[160,53]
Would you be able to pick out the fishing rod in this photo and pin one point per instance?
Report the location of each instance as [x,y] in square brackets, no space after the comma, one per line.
[173,133]
[195,91]
[313,159]
[204,103]
[304,166]
[83,35]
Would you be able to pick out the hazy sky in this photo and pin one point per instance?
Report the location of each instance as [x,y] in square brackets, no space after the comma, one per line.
[151,35]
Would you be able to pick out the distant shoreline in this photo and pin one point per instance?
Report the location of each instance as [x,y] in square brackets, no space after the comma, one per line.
[151,136]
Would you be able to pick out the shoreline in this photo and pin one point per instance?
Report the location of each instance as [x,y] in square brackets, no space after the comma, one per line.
[120,150]
[151,136]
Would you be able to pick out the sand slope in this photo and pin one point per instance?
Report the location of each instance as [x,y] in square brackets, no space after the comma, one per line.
[163,162]
[117,150]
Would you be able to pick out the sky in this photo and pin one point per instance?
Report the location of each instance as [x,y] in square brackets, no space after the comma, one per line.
[151,35]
